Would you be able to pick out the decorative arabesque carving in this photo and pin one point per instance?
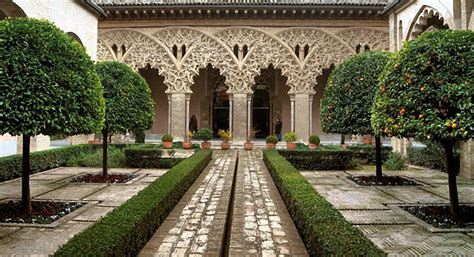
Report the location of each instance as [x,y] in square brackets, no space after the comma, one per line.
[324,50]
[375,39]
[263,50]
[201,50]
[139,51]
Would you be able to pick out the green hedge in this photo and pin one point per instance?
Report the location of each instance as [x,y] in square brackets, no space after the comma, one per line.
[320,159]
[125,230]
[323,229]
[365,154]
[148,158]
[10,166]
[432,156]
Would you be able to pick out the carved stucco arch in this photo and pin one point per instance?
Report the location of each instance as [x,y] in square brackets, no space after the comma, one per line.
[201,49]
[425,13]
[139,51]
[264,49]
[325,49]
[375,39]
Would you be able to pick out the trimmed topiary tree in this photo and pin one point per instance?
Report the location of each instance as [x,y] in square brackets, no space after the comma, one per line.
[348,98]
[128,102]
[48,85]
[427,92]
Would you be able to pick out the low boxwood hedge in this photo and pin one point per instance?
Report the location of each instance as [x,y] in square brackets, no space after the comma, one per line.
[432,156]
[365,154]
[125,230]
[148,157]
[323,229]
[320,159]
[10,166]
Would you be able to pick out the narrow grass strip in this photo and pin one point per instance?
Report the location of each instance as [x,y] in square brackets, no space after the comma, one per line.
[323,229]
[125,230]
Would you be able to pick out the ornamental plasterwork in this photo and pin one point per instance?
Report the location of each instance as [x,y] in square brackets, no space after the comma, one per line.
[201,50]
[139,51]
[263,50]
[179,52]
[375,39]
[425,13]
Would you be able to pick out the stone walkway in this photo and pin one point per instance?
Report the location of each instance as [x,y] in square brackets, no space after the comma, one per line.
[211,221]
[371,210]
[43,240]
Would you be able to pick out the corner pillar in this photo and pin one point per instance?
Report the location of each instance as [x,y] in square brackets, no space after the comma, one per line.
[401,145]
[467,159]
[302,115]
[239,123]
[37,143]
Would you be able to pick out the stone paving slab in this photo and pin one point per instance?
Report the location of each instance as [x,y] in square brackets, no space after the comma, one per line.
[395,233]
[152,172]
[147,179]
[51,177]
[118,193]
[197,224]
[73,191]
[37,187]
[93,214]
[71,170]
[261,224]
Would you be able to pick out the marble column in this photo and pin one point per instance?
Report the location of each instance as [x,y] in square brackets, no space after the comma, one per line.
[401,145]
[311,96]
[240,116]
[37,143]
[177,115]
[187,117]
[467,160]
[292,112]
[302,115]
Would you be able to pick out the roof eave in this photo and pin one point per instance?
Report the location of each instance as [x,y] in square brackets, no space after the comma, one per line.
[94,8]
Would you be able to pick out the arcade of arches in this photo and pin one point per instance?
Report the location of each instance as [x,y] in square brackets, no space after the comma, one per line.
[237,78]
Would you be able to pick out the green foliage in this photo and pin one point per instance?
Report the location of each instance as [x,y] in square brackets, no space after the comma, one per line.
[319,159]
[167,138]
[125,230]
[365,154]
[10,166]
[204,134]
[433,156]
[323,229]
[48,84]
[271,139]
[116,158]
[314,139]
[426,91]
[139,136]
[349,94]
[395,161]
[290,137]
[128,101]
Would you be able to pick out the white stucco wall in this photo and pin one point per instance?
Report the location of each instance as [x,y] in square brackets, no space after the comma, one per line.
[68,15]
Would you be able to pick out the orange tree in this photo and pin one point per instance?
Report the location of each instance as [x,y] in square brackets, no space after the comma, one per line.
[348,97]
[48,85]
[426,92]
[128,102]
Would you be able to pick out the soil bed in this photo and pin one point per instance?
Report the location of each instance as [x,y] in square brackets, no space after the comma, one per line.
[440,216]
[385,181]
[99,178]
[42,213]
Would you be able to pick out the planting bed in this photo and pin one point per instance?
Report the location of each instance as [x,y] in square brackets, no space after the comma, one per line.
[385,181]
[44,212]
[99,178]
[440,216]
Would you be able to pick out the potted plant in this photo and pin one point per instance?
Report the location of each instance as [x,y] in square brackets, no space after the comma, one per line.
[367,139]
[290,139]
[187,140]
[271,141]
[248,145]
[225,135]
[167,140]
[313,141]
[205,135]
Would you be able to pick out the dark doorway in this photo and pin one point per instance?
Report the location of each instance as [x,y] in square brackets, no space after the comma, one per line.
[261,111]
[220,108]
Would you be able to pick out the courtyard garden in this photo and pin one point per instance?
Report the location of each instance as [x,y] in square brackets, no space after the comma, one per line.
[182,198]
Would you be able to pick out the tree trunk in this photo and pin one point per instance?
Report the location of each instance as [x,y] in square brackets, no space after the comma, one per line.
[453,189]
[378,158]
[343,140]
[25,176]
[105,139]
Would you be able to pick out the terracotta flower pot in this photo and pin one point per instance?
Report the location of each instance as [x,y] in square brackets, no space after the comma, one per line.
[167,145]
[206,145]
[344,146]
[225,146]
[248,146]
[313,146]
[187,145]
[291,146]
[367,139]
[270,146]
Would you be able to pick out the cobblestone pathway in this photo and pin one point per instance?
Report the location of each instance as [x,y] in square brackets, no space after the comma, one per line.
[369,209]
[261,224]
